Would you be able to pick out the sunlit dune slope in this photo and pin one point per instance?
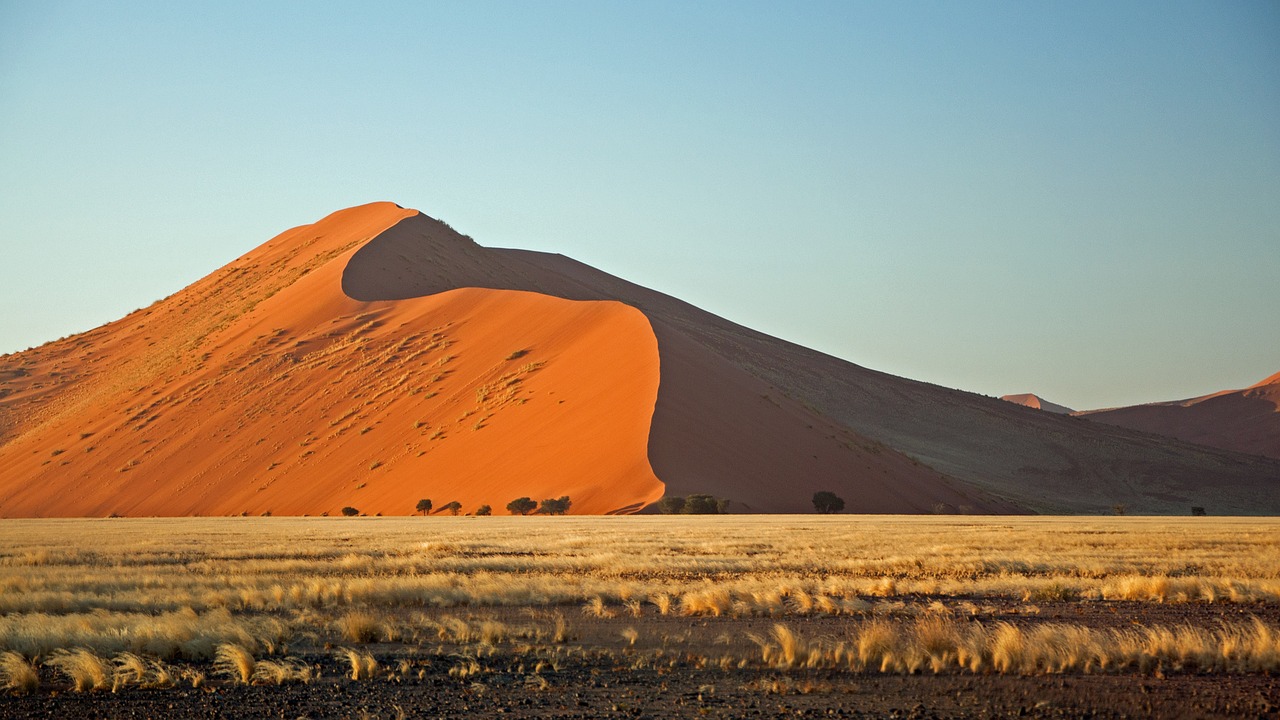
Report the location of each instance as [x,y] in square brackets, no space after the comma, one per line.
[1032,400]
[265,388]
[1245,420]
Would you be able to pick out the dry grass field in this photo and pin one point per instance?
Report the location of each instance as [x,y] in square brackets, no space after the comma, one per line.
[737,608]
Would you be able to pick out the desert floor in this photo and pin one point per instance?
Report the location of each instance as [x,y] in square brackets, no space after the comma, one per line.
[654,616]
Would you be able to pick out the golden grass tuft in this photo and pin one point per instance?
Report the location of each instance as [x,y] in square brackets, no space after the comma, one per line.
[363,665]
[662,602]
[133,669]
[596,607]
[17,674]
[360,626]
[84,669]
[279,672]
[130,669]
[235,662]
[465,668]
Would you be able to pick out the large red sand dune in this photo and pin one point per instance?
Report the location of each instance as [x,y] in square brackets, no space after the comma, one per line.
[378,357]
[1245,420]
[319,371]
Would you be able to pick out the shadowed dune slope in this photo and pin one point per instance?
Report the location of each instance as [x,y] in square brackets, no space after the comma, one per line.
[1246,420]
[378,356]
[265,388]
[1035,401]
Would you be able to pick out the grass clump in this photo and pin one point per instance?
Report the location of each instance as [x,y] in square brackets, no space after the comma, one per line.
[83,668]
[279,672]
[234,661]
[360,627]
[17,674]
[363,665]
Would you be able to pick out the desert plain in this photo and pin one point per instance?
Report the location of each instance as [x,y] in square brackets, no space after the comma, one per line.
[640,616]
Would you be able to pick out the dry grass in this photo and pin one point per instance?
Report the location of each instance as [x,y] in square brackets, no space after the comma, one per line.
[17,674]
[131,669]
[360,627]
[84,669]
[693,566]
[363,665]
[237,592]
[235,662]
[179,634]
[279,672]
[938,644]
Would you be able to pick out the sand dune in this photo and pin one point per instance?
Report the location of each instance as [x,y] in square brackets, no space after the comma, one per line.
[1035,401]
[1245,420]
[322,370]
[377,357]
[265,388]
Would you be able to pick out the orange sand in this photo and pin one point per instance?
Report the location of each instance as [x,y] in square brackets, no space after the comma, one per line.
[265,388]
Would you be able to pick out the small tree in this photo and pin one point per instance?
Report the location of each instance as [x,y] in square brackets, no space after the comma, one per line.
[826,502]
[350,511]
[423,506]
[1120,508]
[454,507]
[671,505]
[701,505]
[521,506]
[484,510]
[557,506]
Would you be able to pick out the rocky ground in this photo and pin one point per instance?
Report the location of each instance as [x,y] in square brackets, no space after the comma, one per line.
[600,688]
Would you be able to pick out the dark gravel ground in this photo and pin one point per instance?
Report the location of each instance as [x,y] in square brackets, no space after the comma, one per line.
[600,689]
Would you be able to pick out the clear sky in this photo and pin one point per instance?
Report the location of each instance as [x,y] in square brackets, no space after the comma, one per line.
[1078,199]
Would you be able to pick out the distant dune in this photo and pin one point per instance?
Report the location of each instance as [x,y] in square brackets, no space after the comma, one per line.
[377,357]
[1035,401]
[1245,420]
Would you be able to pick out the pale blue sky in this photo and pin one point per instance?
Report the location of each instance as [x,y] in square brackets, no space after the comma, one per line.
[1076,199]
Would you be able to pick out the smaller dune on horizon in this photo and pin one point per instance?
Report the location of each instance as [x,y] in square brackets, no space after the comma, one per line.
[1245,420]
[1032,400]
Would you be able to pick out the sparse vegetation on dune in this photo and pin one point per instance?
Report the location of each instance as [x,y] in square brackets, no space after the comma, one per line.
[94,604]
